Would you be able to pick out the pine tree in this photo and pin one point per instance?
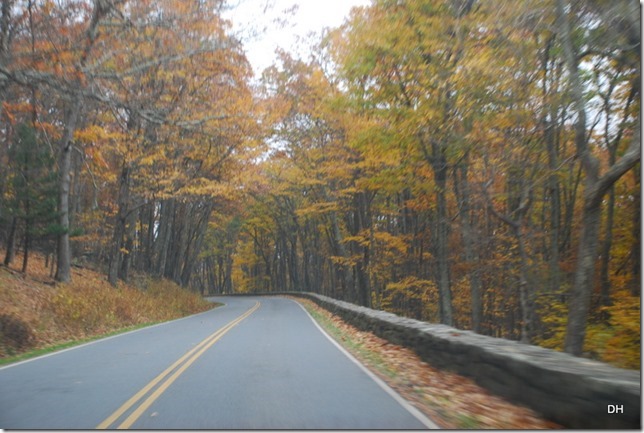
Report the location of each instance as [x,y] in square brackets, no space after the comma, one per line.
[33,180]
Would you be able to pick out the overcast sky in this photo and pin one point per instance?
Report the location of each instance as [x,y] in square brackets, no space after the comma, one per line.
[268,24]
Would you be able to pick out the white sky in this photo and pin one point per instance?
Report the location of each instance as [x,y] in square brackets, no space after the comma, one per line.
[265,25]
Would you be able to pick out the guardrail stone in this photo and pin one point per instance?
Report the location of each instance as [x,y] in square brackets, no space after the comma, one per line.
[574,392]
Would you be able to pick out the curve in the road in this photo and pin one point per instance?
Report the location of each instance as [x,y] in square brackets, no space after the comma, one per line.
[238,366]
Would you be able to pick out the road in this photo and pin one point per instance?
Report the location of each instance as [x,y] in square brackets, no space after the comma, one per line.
[254,363]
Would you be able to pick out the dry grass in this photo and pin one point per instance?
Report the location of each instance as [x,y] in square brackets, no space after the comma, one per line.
[452,401]
[35,312]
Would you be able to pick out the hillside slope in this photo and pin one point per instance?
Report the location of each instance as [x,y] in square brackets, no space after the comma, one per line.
[35,312]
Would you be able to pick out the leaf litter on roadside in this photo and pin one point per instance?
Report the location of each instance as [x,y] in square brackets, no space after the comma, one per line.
[452,401]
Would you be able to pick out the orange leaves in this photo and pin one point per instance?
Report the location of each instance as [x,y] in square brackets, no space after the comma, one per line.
[8,111]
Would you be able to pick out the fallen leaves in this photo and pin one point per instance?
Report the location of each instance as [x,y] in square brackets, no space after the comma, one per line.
[86,307]
[450,400]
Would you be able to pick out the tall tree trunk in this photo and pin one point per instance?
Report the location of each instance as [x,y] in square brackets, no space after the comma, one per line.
[11,242]
[27,239]
[361,223]
[147,253]
[606,247]
[116,246]
[526,285]
[339,249]
[128,244]
[179,242]
[439,164]
[470,242]
[64,258]
[595,187]
[636,270]
[162,245]
[526,290]
[554,194]
[195,244]
[579,304]
[293,266]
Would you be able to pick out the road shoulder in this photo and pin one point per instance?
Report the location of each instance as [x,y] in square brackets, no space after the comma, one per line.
[450,400]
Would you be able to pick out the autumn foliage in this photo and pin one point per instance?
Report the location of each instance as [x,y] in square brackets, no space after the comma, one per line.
[35,313]
[465,162]
[426,162]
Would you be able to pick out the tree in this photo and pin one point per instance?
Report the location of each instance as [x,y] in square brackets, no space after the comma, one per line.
[34,190]
[596,184]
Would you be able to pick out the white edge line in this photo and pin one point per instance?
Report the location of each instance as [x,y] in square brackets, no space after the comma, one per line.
[99,340]
[389,390]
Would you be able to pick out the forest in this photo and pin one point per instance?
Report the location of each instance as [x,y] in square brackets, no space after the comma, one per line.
[465,162]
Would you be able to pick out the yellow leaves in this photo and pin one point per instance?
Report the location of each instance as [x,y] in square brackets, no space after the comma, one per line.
[396,244]
[96,141]
[346,261]
[618,342]
[420,293]
[94,134]
[361,239]
[203,187]
[317,209]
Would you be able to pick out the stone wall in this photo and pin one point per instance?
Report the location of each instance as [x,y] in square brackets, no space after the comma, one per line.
[574,392]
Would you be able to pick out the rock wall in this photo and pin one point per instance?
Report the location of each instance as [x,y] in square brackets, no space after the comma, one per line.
[574,392]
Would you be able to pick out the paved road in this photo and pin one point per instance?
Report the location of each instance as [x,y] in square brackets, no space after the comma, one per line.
[255,363]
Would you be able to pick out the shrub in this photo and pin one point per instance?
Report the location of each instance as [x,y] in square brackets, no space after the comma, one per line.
[15,334]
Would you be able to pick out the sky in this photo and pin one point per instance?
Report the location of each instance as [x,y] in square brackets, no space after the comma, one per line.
[265,25]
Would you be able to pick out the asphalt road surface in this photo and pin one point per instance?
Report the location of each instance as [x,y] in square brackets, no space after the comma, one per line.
[255,363]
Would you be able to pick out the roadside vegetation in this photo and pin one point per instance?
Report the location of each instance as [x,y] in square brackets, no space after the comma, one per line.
[471,163]
[38,315]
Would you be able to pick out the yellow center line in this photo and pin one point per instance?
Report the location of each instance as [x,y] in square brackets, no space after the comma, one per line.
[189,358]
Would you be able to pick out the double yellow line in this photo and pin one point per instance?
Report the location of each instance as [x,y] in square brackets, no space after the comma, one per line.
[178,367]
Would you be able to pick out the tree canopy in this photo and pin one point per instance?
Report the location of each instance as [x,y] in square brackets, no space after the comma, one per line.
[464,162]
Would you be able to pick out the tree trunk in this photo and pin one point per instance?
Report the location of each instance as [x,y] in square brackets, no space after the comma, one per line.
[162,245]
[579,303]
[605,251]
[470,242]
[554,193]
[192,253]
[179,242]
[128,253]
[119,226]
[27,240]
[11,243]
[361,223]
[594,191]
[439,163]
[64,259]
[636,270]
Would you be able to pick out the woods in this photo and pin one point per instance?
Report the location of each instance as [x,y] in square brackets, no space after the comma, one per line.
[142,104]
[471,163]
